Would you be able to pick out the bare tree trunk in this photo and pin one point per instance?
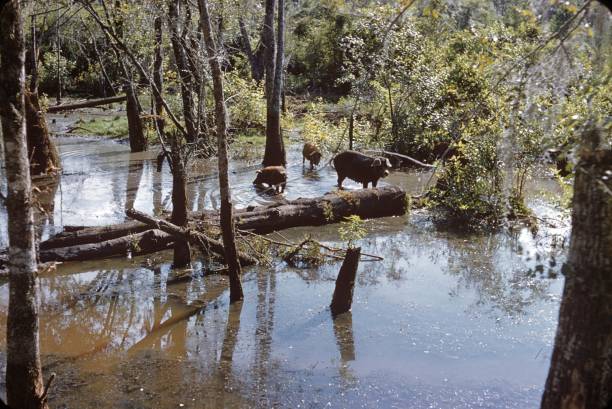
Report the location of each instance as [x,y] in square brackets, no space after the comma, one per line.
[254,61]
[182,252]
[158,74]
[227,220]
[275,148]
[580,375]
[24,387]
[267,37]
[42,152]
[182,65]
[138,141]
[41,149]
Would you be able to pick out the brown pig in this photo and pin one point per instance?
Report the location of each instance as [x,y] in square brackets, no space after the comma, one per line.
[361,168]
[312,153]
[272,176]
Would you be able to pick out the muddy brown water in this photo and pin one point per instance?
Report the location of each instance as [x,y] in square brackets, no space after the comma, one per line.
[449,319]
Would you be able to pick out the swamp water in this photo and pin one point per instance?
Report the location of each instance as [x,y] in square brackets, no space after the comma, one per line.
[447,320]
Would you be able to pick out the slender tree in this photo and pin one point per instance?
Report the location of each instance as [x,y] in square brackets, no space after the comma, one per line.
[24,387]
[275,148]
[42,152]
[158,73]
[227,219]
[183,68]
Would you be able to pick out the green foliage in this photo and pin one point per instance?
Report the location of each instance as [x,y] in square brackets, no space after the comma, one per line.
[352,229]
[246,102]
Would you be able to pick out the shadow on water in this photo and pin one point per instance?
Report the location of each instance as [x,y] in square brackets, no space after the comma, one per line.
[446,320]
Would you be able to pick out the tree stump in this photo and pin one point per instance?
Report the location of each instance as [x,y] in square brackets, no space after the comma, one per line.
[345,283]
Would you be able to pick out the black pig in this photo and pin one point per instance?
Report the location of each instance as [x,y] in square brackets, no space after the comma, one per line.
[361,168]
[272,176]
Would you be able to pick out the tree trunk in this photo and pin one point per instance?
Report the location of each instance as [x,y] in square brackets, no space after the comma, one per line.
[86,104]
[24,387]
[194,237]
[267,37]
[92,235]
[43,154]
[158,74]
[275,148]
[184,72]
[331,208]
[580,375]
[138,141]
[345,283]
[227,220]
[254,58]
[149,241]
[182,252]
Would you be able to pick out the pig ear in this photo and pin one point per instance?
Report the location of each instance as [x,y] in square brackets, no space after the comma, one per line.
[376,162]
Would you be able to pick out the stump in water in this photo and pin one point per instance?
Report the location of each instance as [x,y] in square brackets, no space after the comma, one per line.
[345,283]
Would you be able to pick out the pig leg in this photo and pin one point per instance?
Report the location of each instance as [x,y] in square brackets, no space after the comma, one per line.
[374,182]
[283,185]
[340,180]
[311,166]
[365,185]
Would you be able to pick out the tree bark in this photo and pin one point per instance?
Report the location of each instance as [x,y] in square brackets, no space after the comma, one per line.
[182,252]
[255,62]
[92,235]
[227,220]
[43,154]
[158,74]
[184,71]
[580,375]
[145,242]
[274,154]
[330,208]
[86,104]
[24,387]
[192,236]
[138,141]
[345,283]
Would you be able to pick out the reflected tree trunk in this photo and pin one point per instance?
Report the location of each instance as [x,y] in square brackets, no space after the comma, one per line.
[24,385]
[580,375]
[227,220]
[134,176]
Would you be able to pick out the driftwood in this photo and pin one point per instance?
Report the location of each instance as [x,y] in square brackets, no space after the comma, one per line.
[146,242]
[192,236]
[86,104]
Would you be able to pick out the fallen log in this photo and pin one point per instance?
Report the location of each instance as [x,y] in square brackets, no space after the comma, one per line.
[86,104]
[92,235]
[145,242]
[330,208]
[192,236]
[96,242]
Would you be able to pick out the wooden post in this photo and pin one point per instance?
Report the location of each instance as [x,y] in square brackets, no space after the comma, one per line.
[345,283]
